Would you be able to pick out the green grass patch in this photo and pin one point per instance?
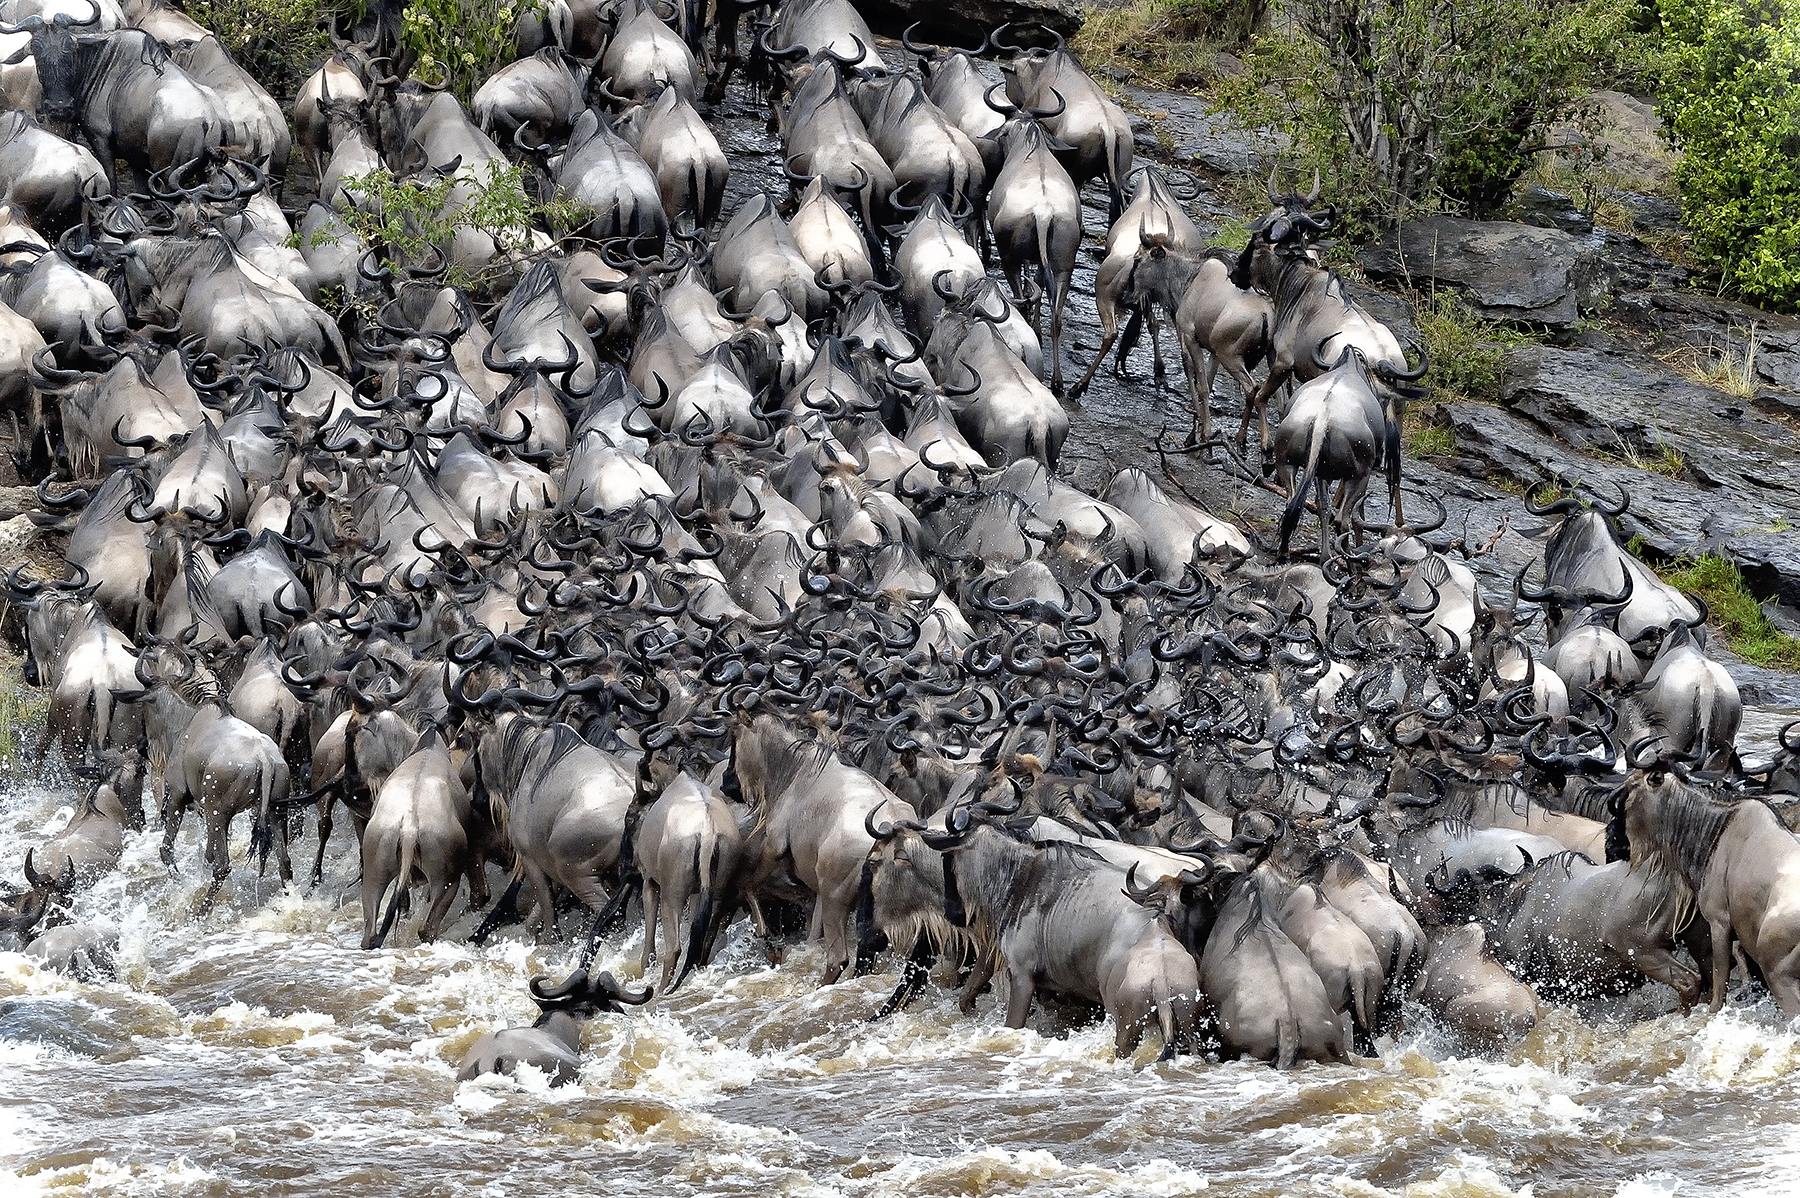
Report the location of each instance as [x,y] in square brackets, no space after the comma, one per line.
[22,712]
[1733,609]
[1424,435]
[1468,353]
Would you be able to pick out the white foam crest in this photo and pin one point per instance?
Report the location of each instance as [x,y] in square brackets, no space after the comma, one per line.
[1740,1046]
[103,1177]
[659,1055]
[994,1170]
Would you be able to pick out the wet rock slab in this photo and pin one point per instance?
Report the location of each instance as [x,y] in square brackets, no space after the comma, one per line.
[1194,134]
[1509,271]
[1703,472]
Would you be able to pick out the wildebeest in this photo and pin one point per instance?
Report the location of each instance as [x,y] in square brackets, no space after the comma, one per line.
[552,1044]
[811,807]
[1742,865]
[422,828]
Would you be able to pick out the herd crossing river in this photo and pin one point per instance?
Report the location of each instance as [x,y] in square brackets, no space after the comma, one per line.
[679,513]
[261,1052]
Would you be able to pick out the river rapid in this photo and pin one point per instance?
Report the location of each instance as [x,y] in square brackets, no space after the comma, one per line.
[261,1052]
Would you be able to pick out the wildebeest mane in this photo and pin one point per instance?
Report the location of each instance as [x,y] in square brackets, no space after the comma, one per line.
[1687,824]
[102,58]
[797,761]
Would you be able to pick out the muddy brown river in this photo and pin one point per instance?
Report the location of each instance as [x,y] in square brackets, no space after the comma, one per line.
[261,1052]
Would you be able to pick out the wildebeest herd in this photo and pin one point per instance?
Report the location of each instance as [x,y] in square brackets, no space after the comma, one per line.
[717,560]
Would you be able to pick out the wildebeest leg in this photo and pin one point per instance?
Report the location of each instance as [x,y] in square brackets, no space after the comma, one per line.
[1324,521]
[218,855]
[1018,996]
[507,911]
[1109,330]
[761,923]
[1194,364]
[979,976]
[651,901]
[1156,357]
[671,906]
[1784,984]
[833,915]
[1721,960]
[440,906]
[173,806]
[478,884]
[913,976]
[318,869]
[544,918]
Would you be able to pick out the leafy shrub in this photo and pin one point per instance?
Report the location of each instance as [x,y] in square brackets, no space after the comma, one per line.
[461,41]
[1731,99]
[280,42]
[407,217]
[1411,104]
[1467,353]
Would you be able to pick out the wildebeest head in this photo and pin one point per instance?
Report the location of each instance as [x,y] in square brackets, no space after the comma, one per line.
[53,45]
[1189,900]
[21,913]
[583,996]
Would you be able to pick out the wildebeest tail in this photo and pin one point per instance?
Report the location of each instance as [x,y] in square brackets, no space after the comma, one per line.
[1287,1038]
[262,831]
[1047,281]
[1128,336]
[408,844]
[1315,444]
[1165,1018]
[1254,355]
[708,873]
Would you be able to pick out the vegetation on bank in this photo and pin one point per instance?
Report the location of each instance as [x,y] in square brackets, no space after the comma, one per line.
[22,711]
[1730,97]
[1734,610]
[461,42]
[1411,106]
[279,42]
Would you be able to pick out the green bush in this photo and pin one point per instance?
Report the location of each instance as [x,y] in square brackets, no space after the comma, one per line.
[1731,100]
[461,41]
[1421,104]
[280,42]
[1468,354]
[408,217]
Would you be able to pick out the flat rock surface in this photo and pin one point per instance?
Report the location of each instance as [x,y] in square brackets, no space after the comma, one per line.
[1197,135]
[1703,472]
[1510,271]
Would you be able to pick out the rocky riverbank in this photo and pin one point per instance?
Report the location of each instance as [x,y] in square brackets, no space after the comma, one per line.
[1596,397]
